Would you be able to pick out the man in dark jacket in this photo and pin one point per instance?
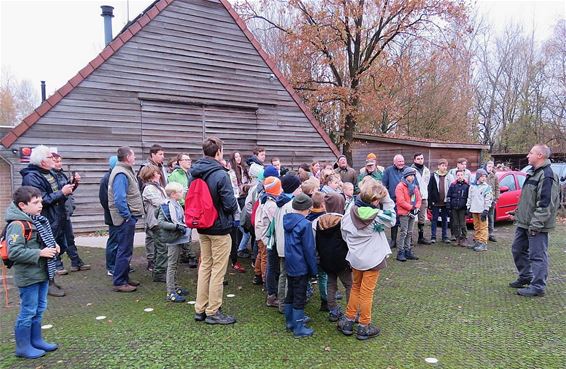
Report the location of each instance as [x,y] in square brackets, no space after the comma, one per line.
[215,242]
[391,178]
[39,174]
[535,217]
[112,242]
[66,238]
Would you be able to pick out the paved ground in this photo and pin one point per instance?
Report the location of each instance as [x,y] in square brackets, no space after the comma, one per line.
[453,305]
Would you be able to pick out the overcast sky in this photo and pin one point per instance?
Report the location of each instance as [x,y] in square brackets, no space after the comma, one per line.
[52,40]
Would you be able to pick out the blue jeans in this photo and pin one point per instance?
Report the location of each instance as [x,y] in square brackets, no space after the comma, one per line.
[245,239]
[111,248]
[124,252]
[33,302]
[530,254]
[443,212]
[66,240]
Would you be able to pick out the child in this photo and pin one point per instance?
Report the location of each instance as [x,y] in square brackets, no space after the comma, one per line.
[32,270]
[243,251]
[332,252]
[331,183]
[456,201]
[348,191]
[408,198]
[363,230]
[318,210]
[300,263]
[478,204]
[173,233]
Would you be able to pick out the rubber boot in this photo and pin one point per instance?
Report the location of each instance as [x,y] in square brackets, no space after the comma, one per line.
[23,345]
[37,341]
[394,236]
[289,322]
[300,329]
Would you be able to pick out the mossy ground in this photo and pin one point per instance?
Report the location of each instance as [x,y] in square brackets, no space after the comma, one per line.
[453,304]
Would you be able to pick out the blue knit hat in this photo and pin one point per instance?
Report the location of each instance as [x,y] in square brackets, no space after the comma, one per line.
[270,171]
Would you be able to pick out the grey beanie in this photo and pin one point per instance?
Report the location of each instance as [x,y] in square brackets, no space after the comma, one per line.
[302,202]
[480,173]
[408,171]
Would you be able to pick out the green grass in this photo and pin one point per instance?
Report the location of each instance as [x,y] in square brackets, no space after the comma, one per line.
[453,304]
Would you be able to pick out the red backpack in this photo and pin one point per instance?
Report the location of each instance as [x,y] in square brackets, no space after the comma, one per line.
[200,212]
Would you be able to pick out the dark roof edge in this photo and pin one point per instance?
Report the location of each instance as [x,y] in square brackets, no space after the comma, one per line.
[415,142]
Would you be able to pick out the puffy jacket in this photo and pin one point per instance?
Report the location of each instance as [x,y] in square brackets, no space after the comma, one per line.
[458,195]
[213,173]
[103,198]
[404,201]
[434,188]
[331,247]
[29,267]
[540,199]
[53,201]
[391,178]
[479,198]
[300,255]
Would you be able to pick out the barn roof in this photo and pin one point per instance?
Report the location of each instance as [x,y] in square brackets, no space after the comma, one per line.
[121,39]
[419,141]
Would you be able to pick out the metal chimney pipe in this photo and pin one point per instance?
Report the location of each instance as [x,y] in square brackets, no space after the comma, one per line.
[107,14]
[43,94]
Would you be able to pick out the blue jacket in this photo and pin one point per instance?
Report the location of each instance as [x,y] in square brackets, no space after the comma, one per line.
[220,186]
[457,195]
[300,254]
[391,178]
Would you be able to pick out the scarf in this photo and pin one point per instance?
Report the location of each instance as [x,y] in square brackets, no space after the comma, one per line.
[411,187]
[41,223]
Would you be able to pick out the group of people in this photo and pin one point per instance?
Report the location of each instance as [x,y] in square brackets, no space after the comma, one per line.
[323,223]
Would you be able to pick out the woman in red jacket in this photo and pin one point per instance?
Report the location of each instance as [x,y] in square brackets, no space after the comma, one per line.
[408,199]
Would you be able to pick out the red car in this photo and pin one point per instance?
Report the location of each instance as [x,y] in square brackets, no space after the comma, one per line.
[510,185]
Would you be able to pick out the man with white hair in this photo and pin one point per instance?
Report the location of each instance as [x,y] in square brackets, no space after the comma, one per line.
[535,217]
[391,178]
[39,174]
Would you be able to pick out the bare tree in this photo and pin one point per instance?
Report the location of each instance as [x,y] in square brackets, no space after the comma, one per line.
[17,99]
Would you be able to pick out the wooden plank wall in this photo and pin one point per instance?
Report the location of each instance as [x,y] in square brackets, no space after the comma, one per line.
[190,70]
[385,151]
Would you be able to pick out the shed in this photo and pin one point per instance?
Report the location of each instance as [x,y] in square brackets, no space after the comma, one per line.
[181,71]
[386,147]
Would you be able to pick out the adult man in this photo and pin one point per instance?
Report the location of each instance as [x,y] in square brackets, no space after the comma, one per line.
[39,174]
[493,182]
[258,157]
[66,238]
[391,178]
[371,169]
[156,158]
[346,173]
[126,207]
[423,178]
[215,242]
[112,242]
[535,217]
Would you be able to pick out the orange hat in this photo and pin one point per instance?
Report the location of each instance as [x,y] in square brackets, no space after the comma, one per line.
[371,159]
[272,186]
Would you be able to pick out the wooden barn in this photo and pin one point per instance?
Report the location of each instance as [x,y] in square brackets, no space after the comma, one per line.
[385,147]
[181,71]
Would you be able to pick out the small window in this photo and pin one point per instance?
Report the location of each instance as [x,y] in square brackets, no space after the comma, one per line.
[508,181]
[521,179]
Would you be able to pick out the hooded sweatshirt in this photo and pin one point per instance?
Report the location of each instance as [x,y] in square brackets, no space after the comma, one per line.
[300,255]
[363,229]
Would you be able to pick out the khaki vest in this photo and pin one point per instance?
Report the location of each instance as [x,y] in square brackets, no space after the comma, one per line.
[133,196]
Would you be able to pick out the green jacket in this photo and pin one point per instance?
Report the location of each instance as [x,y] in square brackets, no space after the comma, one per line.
[376,174]
[29,267]
[539,200]
[180,176]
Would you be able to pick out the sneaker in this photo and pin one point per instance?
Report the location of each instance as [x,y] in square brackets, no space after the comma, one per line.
[181,291]
[61,272]
[335,315]
[447,240]
[520,283]
[530,292]
[200,317]
[338,295]
[492,239]
[124,288]
[453,239]
[150,266]
[174,297]
[220,318]
[433,240]
[272,301]
[367,331]
[480,247]
[473,245]
[238,267]
[109,273]
[346,326]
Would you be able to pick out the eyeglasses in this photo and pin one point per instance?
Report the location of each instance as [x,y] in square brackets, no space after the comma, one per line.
[185,160]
